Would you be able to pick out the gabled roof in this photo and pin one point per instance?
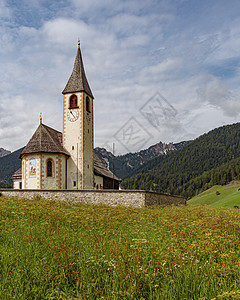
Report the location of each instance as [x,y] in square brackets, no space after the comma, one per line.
[17,174]
[45,139]
[78,80]
[101,170]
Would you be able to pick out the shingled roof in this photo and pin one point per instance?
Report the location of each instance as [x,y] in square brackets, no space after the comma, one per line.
[78,80]
[17,174]
[45,139]
[101,169]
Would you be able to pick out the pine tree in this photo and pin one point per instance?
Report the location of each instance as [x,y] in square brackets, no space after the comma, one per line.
[136,186]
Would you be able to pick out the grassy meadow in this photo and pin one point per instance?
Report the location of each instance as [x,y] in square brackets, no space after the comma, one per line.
[59,250]
[219,195]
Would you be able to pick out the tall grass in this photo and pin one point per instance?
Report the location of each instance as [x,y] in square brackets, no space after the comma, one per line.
[54,250]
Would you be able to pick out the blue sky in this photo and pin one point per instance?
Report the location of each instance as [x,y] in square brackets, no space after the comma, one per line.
[159,70]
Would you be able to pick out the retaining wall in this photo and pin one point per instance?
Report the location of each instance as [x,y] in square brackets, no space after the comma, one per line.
[108,197]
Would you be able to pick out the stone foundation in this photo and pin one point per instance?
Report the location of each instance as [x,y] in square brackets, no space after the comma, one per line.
[108,197]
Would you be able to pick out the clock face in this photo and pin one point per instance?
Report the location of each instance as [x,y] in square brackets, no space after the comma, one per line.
[72,115]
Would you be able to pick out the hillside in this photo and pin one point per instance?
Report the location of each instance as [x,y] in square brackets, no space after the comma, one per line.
[123,165]
[223,196]
[221,175]
[171,172]
[8,165]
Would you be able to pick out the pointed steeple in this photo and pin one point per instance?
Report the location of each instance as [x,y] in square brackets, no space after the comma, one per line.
[78,80]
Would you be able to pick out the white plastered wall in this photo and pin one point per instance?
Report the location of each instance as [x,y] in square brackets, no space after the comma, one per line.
[98,182]
[39,179]
[78,141]
[16,183]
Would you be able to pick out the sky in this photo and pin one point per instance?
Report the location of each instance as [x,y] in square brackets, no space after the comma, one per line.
[160,70]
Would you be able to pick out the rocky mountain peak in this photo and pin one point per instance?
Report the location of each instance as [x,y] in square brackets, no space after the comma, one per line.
[4,152]
[123,165]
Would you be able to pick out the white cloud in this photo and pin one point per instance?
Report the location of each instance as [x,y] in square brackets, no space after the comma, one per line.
[5,12]
[131,50]
[218,94]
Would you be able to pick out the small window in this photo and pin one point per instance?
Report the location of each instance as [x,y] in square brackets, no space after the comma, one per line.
[72,147]
[88,104]
[73,101]
[50,168]
[74,183]
[20,185]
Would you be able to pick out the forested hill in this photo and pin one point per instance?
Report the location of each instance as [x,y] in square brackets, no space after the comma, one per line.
[170,173]
[123,165]
[8,165]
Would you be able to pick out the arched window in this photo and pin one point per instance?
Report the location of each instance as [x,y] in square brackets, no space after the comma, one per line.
[50,168]
[88,104]
[73,101]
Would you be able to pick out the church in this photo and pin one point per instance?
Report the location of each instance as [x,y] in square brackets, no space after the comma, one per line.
[55,160]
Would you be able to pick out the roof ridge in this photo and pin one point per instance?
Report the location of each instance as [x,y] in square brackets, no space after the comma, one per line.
[51,128]
[49,134]
[40,139]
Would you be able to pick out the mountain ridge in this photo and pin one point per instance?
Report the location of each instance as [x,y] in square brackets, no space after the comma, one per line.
[168,173]
[4,152]
[8,165]
[123,165]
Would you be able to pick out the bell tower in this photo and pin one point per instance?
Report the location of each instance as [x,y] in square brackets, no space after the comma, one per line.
[78,128]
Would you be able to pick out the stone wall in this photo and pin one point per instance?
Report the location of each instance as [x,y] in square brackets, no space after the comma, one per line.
[108,197]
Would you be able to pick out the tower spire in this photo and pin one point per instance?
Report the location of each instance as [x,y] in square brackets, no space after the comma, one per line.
[78,80]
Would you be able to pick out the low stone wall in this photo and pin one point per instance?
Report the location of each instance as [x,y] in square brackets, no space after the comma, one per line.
[108,197]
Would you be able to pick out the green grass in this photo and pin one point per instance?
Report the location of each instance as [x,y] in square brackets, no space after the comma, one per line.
[229,196]
[58,250]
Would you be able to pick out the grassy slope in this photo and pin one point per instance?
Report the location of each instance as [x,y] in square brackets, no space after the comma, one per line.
[229,196]
[54,250]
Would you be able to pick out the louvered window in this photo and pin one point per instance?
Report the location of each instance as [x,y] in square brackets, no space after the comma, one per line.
[73,101]
[88,104]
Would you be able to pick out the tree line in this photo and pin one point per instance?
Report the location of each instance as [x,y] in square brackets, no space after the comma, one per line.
[211,159]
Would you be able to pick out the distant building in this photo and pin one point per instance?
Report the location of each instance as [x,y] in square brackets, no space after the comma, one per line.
[55,160]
